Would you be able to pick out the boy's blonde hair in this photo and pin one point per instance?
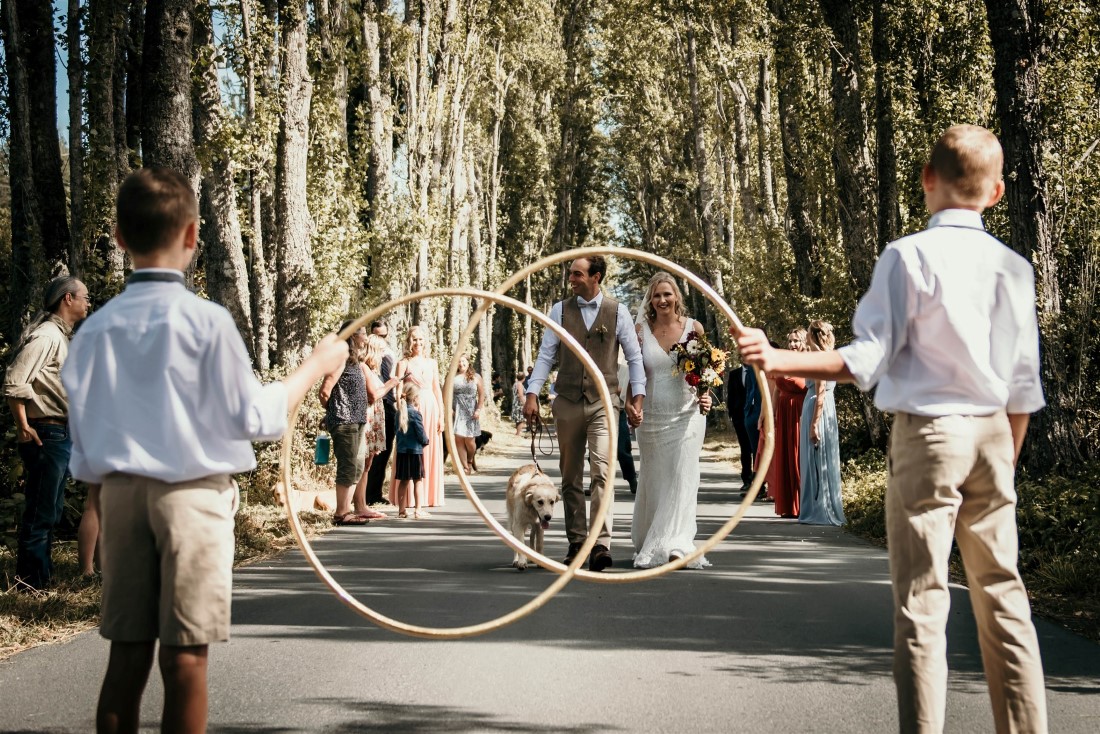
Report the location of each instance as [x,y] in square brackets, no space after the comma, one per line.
[969,159]
[820,337]
[409,394]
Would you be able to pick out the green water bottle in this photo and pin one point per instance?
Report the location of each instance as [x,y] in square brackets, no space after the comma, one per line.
[322,449]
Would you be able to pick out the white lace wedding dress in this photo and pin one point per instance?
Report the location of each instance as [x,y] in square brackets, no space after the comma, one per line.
[670,440]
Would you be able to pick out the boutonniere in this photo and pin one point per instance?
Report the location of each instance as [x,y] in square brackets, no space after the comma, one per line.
[602,331]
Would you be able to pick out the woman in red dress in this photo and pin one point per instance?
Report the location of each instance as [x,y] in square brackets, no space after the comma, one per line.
[783,474]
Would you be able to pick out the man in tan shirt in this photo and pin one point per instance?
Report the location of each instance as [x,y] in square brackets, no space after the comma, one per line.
[32,387]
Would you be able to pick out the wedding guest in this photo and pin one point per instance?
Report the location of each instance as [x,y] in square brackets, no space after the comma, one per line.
[376,475]
[820,502]
[409,465]
[469,399]
[419,369]
[736,379]
[37,399]
[519,389]
[788,395]
[948,333]
[343,395]
[625,453]
[374,432]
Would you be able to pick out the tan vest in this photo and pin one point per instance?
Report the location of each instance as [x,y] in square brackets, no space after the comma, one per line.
[602,345]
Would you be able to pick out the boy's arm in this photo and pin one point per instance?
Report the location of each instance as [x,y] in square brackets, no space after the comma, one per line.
[327,357]
[756,351]
[1018,422]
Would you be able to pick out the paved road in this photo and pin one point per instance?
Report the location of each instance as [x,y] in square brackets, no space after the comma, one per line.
[788,632]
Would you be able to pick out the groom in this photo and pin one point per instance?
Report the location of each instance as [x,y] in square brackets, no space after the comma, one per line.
[602,325]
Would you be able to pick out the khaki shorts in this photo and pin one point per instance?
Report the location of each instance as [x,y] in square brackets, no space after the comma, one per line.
[167,557]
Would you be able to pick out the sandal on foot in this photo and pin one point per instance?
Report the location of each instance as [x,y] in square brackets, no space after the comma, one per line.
[421,515]
[349,518]
[402,515]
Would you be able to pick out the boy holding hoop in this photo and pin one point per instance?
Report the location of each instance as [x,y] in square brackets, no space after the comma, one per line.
[948,332]
[163,408]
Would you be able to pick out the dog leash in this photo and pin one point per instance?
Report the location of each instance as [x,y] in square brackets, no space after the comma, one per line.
[537,430]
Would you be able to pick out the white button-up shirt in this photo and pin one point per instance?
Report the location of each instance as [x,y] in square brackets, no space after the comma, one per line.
[948,326]
[160,385]
[624,333]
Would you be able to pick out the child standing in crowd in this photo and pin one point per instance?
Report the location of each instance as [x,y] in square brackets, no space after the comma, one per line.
[163,407]
[948,332]
[409,466]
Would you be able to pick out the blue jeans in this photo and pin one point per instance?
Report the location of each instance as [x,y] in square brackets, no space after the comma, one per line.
[47,470]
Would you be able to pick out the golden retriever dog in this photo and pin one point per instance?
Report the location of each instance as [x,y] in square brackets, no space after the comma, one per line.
[531,498]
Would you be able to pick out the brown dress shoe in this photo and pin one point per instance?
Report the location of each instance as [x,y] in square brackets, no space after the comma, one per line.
[574,549]
[600,558]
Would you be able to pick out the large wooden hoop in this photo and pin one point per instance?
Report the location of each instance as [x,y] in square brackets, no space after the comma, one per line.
[566,572]
[768,434]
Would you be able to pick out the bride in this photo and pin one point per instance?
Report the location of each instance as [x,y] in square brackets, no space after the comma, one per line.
[671,437]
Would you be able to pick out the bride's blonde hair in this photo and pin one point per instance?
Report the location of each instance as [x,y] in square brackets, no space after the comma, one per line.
[656,280]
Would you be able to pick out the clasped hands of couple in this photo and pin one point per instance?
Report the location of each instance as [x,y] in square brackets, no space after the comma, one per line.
[633,408]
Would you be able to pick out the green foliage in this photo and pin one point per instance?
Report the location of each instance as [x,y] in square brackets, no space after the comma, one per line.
[1059,521]
[863,487]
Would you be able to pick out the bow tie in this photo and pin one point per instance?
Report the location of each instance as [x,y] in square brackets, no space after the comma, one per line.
[581,303]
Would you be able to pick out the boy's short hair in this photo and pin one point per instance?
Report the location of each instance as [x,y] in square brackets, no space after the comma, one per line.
[154,204]
[968,158]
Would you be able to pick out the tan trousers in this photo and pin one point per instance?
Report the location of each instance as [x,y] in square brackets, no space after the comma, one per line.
[581,425]
[953,476]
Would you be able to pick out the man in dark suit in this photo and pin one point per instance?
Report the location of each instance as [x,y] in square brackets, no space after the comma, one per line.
[743,404]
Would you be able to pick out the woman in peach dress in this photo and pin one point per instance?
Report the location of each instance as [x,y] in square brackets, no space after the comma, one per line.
[418,368]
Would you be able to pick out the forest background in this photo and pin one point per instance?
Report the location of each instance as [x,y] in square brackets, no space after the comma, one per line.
[349,151]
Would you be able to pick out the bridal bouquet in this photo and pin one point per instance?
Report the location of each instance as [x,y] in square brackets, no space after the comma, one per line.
[701,363]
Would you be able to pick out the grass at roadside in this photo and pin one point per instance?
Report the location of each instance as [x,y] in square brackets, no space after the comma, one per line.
[262,530]
[72,605]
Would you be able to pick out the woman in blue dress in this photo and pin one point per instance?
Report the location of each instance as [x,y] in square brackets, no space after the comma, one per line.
[819,443]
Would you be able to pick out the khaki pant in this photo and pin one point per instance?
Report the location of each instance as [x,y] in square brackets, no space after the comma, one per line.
[580,425]
[167,554]
[953,476]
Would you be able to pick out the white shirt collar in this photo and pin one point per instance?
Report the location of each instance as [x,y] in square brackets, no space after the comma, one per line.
[956,218]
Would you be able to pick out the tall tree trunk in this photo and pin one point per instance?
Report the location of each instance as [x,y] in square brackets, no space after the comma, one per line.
[801,207]
[852,168]
[575,127]
[223,247]
[889,210]
[764,126]
[379,101]
[419,136]
[166,120]
[106,28]
[855,176]
[704,197]
[262,304]
[294,257]
[132,64]
[26,228]
[76,140]
[1019,45]
[36,25]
